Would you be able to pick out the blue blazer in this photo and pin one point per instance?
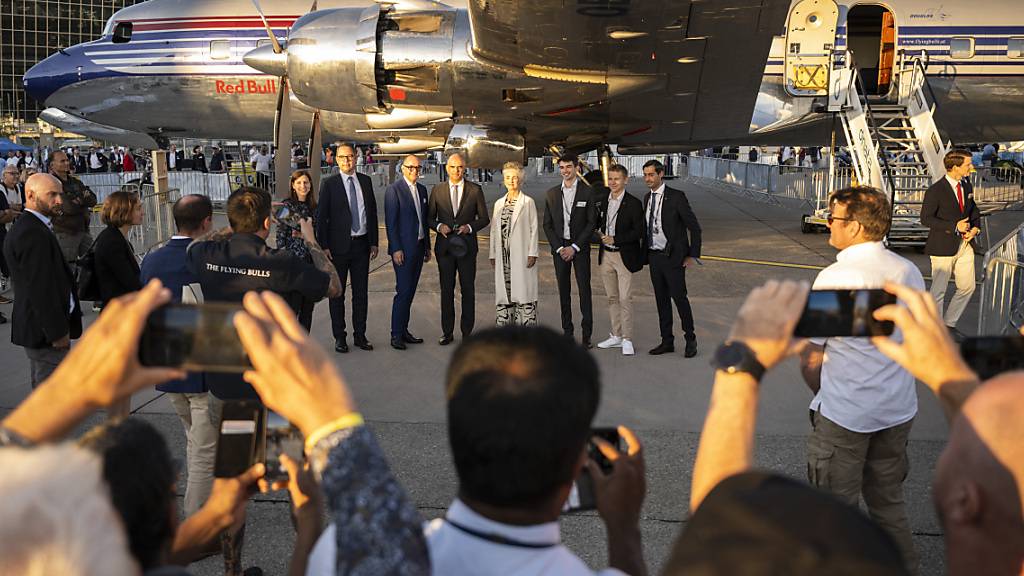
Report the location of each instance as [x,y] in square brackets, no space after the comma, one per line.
[400,217]
[170,265]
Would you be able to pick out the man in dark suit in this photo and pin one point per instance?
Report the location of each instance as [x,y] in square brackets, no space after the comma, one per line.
[405,218]
[569,222]
[175,158]
[953,221]
[47,314]
[347,230]
[673,245]
[620,225]
[456,208]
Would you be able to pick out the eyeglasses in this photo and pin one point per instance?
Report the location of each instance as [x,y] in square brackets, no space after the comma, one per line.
[832,218]
[412,168]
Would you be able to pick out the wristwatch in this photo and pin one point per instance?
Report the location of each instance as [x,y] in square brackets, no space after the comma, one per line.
[734,356]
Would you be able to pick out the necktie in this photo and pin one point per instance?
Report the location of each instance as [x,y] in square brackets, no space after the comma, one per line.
[960,196]
[353,204]
[455,200]
[650,224]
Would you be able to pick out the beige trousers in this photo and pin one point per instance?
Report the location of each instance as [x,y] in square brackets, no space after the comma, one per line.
[618,284]
[961,267]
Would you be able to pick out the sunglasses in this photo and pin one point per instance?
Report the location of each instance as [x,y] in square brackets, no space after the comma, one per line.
[832,218]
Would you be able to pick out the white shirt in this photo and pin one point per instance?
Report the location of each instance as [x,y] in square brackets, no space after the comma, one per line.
[359,195]
[568,198]
[172,159]
[953,184]
[12,194]
[862,389]
[456,553]
[419,209]
[263,162]
[613,213]
[94,161]
[658,240]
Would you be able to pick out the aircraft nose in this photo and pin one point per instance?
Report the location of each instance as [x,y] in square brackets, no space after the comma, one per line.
[52,74]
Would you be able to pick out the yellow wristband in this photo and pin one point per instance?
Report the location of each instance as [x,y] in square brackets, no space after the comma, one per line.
[350,420]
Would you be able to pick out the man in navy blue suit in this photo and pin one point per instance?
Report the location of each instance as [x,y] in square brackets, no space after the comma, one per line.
[193,217]
[405,217]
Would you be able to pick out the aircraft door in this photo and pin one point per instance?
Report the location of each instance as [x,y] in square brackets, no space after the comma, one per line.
[810,39]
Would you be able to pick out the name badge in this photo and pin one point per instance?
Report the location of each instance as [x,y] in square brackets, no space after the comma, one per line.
[581,204]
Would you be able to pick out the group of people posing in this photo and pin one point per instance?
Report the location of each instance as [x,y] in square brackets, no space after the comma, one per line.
[626,233]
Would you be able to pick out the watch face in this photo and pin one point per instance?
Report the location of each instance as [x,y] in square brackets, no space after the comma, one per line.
[730,356]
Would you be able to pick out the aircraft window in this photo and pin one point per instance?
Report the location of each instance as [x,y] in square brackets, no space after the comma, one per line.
[1015,48]
[122,33]
[263,42]
[220,49]
[961,48]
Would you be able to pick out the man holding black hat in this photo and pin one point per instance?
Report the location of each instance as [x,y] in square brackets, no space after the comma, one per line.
[457,211]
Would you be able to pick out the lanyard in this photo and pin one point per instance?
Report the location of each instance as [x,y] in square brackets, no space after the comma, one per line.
[498,538]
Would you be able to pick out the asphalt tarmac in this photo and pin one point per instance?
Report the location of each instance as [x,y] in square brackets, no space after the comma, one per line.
[663,398]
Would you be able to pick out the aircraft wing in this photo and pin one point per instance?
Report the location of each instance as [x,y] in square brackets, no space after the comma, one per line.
[709,54]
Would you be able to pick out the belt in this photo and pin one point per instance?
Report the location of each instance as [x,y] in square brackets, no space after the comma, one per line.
[608,248]
[662,251]
[354,237]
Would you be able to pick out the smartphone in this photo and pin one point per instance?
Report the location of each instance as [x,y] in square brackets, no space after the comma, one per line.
[831,313]
[582,496]
[989,356]
[240,443]
[282,438]
[198,338]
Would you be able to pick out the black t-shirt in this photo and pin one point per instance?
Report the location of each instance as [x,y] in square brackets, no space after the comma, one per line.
[227,269]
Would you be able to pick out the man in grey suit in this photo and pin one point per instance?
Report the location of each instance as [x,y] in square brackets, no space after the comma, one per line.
[457,211]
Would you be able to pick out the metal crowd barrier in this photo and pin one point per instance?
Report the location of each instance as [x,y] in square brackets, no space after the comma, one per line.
[216,185]
[767,182]
[157,218]
[997,188]
[1002,293]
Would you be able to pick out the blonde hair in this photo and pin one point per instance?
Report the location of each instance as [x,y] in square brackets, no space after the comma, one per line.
[56,516]
[118,207]
[512,166]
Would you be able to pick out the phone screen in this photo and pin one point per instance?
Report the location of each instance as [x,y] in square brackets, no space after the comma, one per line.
[281,212]
[199,338]
[830,313]
[989,356]
[282,438]
[239,444]
[582,496]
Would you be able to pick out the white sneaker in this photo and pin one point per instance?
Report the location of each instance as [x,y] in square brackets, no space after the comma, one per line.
[613,341]
[627,348]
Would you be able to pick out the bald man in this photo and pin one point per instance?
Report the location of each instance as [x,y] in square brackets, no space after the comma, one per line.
[405,218]
[47,314]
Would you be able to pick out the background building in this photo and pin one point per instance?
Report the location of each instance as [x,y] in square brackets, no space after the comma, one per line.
[31,30]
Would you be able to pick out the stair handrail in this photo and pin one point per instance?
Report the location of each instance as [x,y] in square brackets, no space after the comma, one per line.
[886,170]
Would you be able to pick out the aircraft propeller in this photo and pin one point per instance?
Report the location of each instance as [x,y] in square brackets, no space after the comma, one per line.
[283,123]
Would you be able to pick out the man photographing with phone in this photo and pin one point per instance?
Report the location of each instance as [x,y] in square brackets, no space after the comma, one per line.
[864,403]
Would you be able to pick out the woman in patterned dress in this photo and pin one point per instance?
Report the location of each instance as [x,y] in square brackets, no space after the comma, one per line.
[302,203]
[513,253]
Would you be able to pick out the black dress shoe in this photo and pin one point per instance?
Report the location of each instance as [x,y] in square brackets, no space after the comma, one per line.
[398,344]
[662,348]
[340,346]
[445,340]
[586,344]
[363,344]
[691,349]
[410,339]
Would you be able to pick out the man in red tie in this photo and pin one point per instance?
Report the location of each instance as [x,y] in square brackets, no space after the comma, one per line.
[954,221]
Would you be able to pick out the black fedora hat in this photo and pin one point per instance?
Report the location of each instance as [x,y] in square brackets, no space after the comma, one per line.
[458,246]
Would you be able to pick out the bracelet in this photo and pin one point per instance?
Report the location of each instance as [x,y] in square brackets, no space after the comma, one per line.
[350,420]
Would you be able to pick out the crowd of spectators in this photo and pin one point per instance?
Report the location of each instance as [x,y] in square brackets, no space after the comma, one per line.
[520,401]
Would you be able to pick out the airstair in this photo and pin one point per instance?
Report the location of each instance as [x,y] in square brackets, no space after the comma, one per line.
[893,141]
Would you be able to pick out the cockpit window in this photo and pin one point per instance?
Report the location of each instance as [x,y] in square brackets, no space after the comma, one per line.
[122,33]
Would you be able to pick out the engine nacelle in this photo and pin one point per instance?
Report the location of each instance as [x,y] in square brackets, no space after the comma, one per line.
[332,59]
[483,147]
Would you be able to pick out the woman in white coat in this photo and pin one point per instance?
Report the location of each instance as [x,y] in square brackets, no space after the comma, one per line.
[514,249]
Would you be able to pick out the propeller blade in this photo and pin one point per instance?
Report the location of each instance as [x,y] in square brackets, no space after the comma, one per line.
[313,153]
[266,25]
[282,140]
